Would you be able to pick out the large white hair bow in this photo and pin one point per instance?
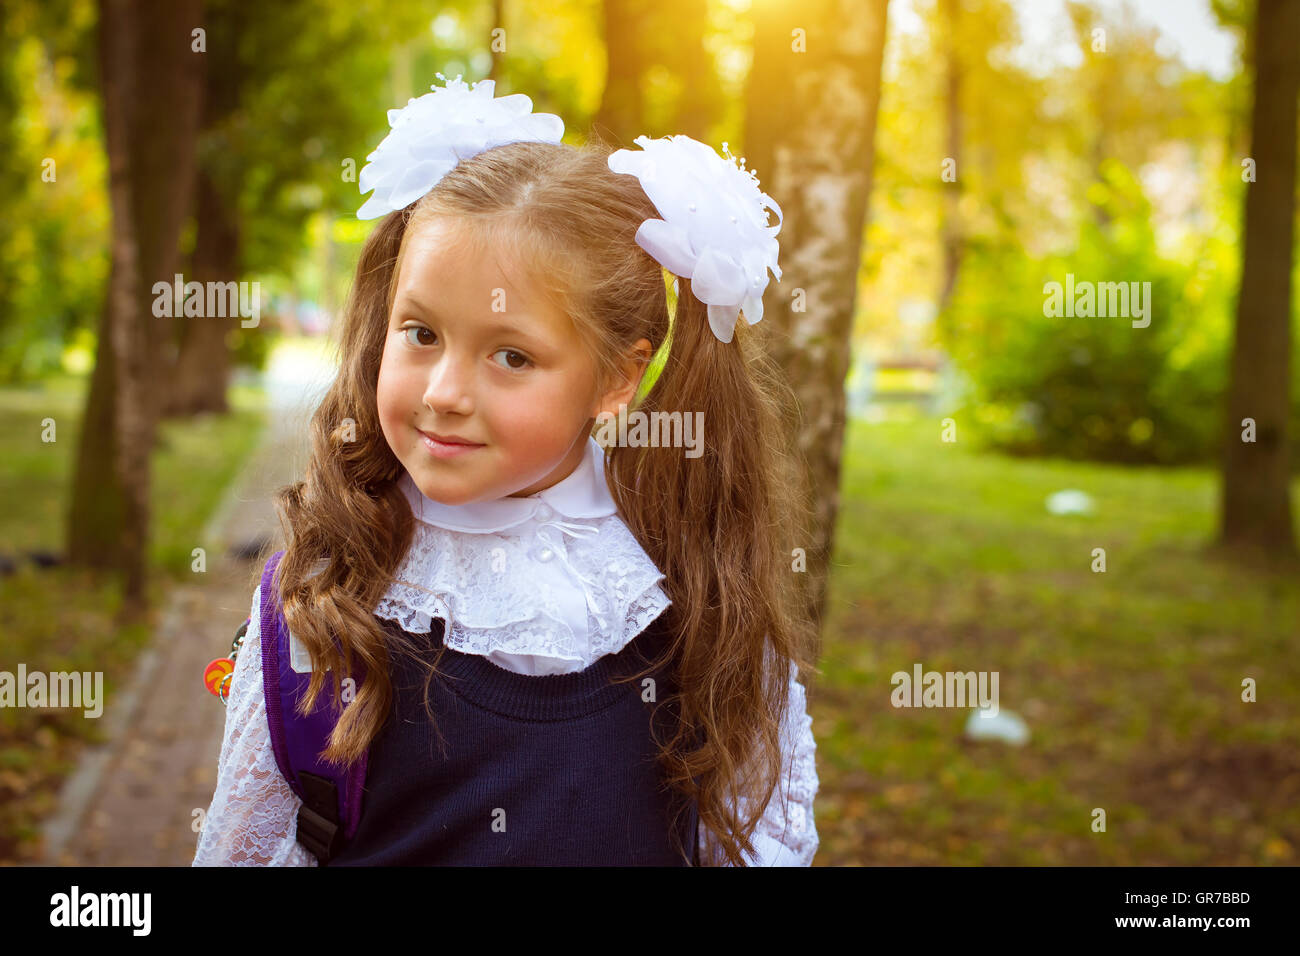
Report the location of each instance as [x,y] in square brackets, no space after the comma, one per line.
[714,228]
[434,132]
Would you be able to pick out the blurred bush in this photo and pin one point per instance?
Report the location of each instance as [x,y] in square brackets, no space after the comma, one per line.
[1092,387]
[251,347]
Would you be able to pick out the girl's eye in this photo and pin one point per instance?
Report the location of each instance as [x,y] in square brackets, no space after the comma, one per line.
[417,329]
[519,355]
[519,362]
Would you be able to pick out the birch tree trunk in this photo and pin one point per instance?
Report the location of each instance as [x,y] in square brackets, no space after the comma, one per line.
[812,101]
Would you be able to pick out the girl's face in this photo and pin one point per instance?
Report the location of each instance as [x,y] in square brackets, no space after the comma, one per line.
[474,357]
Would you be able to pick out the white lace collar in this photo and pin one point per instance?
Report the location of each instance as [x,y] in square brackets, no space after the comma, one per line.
[557,574]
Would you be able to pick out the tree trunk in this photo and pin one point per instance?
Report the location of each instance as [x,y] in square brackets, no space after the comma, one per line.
[127,334]
[768,96]
[202,371]
[151,82]
[97,516]
[620,115]
[816,144]
[1256,475]
[695,108]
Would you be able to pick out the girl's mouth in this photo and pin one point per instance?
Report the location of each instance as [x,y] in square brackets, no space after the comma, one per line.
[442,449]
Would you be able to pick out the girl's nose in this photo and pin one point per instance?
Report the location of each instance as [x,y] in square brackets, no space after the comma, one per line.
[449,387]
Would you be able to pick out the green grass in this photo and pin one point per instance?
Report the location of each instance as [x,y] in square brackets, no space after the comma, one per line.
[62,619]
[1130,680]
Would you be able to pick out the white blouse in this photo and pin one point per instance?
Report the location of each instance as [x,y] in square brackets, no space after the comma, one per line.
[545,584]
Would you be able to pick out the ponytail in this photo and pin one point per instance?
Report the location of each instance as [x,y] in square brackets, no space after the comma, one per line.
[721,527]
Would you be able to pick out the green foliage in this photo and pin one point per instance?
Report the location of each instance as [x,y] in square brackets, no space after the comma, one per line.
[251,347]
[302,87]
[1039,195]
[53,232]
[1096,387]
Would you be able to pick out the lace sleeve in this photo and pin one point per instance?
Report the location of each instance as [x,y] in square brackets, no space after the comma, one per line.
[786,834]
[252,820]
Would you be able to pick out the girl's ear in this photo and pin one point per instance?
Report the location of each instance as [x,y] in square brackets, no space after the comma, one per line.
[631,368]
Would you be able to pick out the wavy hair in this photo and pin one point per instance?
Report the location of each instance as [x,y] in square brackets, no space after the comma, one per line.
[720,527]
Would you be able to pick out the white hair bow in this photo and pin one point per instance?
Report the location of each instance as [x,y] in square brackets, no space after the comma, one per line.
[434,132]
[714,228]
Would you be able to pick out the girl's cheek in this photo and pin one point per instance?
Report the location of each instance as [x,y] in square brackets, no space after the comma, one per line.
[389,397]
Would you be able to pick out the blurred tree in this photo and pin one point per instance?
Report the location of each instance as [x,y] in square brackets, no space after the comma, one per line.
[148,72]
[768,86]
[952,12]
[54,224]
[660,77]
[1237,16]
[952,242]
[923,227]
[10,91]
[553,56]
[200,365]
[1128,97]
[813,96]
[276,138]
[970,37]
[1256,474]
[674,40]
[621,111]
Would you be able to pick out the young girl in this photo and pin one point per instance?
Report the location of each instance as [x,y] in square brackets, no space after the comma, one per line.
[459,521]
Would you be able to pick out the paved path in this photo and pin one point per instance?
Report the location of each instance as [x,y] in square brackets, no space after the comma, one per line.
[132,801]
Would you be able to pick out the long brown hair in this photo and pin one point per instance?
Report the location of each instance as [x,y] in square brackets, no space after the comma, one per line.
[721,527]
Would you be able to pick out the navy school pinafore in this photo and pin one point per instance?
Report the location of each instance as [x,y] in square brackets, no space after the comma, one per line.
[554,770]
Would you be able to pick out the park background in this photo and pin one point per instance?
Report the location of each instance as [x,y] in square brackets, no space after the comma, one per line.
[937,161]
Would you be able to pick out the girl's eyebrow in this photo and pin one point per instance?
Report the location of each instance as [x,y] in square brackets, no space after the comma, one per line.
[407,299]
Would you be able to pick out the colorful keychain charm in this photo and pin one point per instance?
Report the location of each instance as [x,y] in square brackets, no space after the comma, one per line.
[218,673]
[216,676]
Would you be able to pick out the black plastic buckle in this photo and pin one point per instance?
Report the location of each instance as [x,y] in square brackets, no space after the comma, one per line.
[319,827]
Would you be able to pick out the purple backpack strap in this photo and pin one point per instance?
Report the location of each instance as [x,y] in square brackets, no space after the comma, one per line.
[331,795]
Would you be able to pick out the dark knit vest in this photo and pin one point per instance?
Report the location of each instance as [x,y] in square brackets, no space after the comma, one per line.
[554,770]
